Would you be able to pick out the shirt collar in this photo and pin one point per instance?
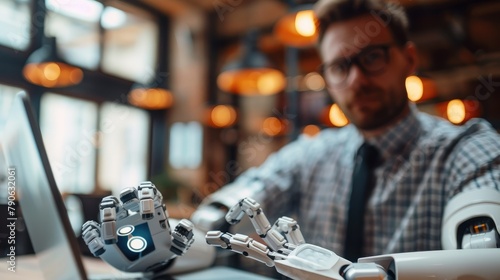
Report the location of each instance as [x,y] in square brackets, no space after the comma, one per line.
[400,136]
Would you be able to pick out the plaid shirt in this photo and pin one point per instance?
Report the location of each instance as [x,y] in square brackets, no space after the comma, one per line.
[425,162]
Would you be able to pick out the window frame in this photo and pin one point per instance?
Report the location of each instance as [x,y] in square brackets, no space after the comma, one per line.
[97,86]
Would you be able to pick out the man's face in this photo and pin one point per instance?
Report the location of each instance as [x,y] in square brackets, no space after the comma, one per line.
[365,71]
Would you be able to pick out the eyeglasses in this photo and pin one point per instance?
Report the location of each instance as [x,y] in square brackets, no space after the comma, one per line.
[372,60]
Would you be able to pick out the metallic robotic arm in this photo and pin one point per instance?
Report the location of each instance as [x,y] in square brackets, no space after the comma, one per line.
[135,234]
[471,218]
[291,257]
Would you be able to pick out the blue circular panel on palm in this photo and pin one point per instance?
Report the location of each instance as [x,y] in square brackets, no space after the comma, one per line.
[128,236]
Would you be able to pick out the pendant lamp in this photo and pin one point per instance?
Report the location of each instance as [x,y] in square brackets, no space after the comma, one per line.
[152,95]
[44,67]
[252,73]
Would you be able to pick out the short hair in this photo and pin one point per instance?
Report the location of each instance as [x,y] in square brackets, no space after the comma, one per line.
[393,15]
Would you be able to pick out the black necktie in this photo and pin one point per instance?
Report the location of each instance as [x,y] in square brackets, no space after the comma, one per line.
[361,189]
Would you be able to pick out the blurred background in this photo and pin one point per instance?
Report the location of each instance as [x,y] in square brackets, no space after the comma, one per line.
[190,93]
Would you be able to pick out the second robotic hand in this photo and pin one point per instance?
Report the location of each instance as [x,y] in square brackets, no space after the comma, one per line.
[252,208]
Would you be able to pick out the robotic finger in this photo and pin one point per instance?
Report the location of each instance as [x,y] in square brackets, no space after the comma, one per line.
[241,244]
[92,236]
[110,210]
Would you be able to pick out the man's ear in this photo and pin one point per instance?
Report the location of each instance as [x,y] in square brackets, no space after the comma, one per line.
[410,51]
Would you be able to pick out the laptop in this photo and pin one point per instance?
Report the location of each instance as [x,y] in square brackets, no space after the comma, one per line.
[43,209]
[46,218]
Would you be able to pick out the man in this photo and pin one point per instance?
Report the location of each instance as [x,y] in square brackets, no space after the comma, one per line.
[421,161]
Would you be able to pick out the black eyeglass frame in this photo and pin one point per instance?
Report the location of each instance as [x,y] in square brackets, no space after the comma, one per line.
[356,59]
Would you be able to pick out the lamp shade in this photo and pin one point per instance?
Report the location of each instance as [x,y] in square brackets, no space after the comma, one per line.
[297,28]
[252,73]
[45,68]
[151,96]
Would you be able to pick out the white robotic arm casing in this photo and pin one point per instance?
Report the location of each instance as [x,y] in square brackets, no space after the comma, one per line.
[464,207]
[440,264]
[466,210]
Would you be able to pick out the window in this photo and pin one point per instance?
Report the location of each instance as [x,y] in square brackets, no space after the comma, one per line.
[15,23]
[186,141]
[123,149]
[75,24]
[75,143]
[7,94]
[130,43]
[130,37]
[69,128]
[91,144]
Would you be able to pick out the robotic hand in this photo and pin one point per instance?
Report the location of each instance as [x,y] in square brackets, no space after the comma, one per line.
[296,259]
[135,234]
[291,256]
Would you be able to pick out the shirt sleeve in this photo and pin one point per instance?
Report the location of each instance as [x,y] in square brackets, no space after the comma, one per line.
[475,160]
[272,184]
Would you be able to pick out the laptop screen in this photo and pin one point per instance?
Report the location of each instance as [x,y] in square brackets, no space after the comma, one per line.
[42,205]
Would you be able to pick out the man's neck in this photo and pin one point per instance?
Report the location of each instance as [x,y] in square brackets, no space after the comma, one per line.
[367,134]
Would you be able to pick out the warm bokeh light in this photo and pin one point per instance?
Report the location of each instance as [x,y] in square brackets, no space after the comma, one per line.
[263,81]
[297,29]
[459,111]
[414,88]
[270,83]
[420,88]
[311,130]
[314,81]
[304,23]
[52,74]
[222,116]
[337,117]
[455,111]
[75,76]
[273,126]
[52,71]
[151,98]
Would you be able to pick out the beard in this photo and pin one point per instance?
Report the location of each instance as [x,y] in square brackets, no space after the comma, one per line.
[374,113]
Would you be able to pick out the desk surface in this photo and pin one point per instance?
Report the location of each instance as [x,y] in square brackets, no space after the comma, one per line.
[27,267]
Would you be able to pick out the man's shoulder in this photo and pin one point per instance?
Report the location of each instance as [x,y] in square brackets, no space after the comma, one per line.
[439,129]
[479,138]
[474,136]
